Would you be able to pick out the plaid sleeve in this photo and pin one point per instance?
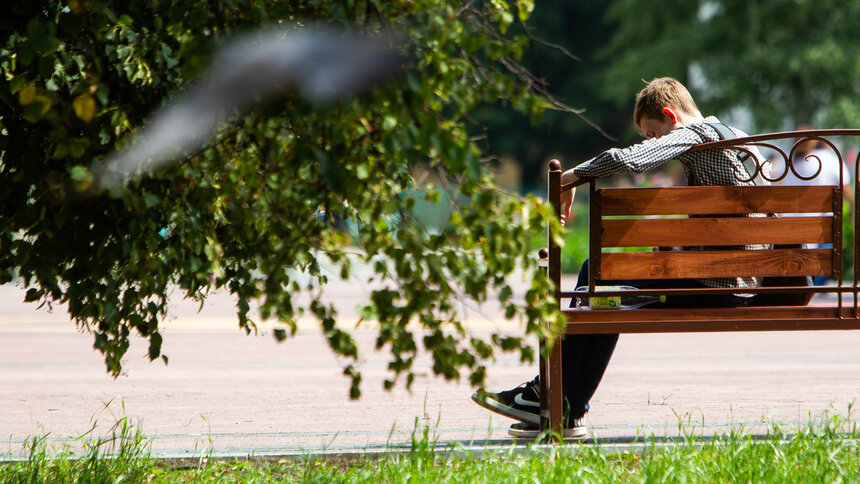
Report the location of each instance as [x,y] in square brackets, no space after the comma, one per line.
[641,157]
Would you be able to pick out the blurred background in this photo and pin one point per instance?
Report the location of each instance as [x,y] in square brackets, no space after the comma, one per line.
[762,66]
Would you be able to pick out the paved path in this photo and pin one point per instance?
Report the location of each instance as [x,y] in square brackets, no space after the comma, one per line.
[233,394]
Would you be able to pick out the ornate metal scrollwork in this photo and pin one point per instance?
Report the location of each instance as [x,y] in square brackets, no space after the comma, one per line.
[803,164]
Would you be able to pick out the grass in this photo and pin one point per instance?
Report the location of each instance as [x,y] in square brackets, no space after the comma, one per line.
[823,451]
[122,457]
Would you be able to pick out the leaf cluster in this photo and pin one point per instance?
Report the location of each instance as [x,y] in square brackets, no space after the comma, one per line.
[261,208]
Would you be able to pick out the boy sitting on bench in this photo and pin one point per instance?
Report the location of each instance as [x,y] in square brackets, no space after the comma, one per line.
[669,119]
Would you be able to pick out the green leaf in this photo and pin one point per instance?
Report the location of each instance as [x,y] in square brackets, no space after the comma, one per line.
[40,36]
[524,9]
[362,171]
[150,200]
[389,123]
[155,341]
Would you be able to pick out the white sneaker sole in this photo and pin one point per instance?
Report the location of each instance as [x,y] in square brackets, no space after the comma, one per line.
[521,432]
[501,409]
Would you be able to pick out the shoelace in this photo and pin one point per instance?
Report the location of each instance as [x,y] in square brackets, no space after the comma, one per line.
[534,385]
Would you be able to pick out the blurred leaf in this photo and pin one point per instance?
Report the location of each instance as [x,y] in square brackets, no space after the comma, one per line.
[85,107]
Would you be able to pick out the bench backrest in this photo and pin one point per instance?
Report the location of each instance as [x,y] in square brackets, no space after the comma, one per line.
[689,218]
[716,218]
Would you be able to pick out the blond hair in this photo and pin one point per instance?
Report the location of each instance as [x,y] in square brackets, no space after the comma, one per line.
[663,92]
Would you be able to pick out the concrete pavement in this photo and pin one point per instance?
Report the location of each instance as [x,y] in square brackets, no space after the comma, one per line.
[236,395]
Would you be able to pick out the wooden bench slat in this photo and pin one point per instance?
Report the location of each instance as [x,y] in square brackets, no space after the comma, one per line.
[647,326]
[704,315]
[713,200]
[716,231]
[716,263]
[711,319]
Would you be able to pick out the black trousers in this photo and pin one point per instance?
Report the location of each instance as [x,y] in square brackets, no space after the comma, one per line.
[585,357]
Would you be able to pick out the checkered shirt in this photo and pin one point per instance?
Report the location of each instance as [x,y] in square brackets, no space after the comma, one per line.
[701,168]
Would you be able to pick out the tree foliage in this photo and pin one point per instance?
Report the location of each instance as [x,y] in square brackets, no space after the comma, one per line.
[788,63]
[255,211]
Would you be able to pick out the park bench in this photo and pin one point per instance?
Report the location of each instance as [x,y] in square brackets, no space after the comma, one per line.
[637,219]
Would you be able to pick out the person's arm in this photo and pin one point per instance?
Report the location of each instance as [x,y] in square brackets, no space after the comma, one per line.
[640,157]
[635,159]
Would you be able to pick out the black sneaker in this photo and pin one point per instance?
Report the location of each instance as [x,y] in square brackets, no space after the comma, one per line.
[521,403]
[523,430]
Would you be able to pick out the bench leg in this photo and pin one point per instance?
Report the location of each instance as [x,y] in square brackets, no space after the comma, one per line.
[552,393]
